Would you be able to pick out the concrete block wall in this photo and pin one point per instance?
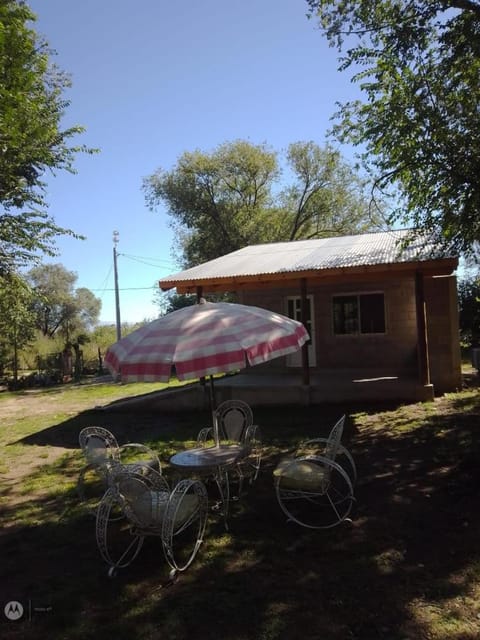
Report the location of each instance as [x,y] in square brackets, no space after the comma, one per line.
[386,352]
[443,333]
[392,353]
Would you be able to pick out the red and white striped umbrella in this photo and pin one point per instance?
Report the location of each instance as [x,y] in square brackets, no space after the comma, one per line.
[203,339]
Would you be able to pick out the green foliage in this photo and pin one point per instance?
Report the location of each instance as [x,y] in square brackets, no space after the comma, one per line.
[418,65]
[32,140]
[41,349]
[60,307]
[216,198]
[16,322]
[326,196]
[104,335]
[469,306]
[100,338]
[168,301]
[232,197]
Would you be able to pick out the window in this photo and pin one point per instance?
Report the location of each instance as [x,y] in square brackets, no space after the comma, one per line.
[293,307]
[360,313]
[294,311]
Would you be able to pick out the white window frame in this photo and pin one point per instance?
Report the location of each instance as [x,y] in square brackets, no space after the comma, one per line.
[295,359]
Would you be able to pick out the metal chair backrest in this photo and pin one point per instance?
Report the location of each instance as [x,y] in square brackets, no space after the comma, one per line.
[99,445]
[145,496]
[334,439]
[234,417]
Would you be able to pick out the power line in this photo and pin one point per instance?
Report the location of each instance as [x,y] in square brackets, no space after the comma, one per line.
[129,288]
[142,260]
[129,255]
[104,283]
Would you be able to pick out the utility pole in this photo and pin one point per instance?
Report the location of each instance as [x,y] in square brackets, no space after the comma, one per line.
[115,275]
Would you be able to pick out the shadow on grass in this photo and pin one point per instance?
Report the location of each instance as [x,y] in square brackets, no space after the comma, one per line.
[128,426]
[281,423]
[407,567]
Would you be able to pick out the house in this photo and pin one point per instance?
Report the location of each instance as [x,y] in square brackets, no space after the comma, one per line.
[381,310]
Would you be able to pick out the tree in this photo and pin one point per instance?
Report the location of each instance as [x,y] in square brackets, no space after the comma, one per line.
[58,307]
[469,307]
[32,140]
[221,199]
[326,196]
[232,197]
[418,65]
[168,301]
[17,328]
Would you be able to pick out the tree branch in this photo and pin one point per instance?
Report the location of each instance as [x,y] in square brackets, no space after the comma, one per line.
[465,5]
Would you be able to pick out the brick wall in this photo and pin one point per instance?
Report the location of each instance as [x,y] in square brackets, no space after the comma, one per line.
[443,333]
[390,354]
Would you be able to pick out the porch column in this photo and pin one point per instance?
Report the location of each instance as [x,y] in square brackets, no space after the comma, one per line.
[422,333]
[202,380]
[303,313]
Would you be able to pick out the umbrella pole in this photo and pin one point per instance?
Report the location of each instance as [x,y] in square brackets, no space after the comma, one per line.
[213,406]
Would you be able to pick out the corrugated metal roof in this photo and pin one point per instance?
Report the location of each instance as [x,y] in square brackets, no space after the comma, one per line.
[387,247]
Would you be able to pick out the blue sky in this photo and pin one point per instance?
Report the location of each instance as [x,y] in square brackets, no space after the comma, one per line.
[154,78]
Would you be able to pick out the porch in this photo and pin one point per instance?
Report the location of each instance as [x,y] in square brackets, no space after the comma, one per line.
[328,386]
[264,389]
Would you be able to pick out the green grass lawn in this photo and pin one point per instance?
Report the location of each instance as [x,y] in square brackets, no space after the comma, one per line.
[407,567]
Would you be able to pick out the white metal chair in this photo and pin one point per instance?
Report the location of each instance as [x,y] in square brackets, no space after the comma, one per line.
[235,424]
[104,455]
[314,488]
[249,465]
[137,505]
[233,417]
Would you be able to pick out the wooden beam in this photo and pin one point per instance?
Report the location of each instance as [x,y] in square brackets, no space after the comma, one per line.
[314,281]
[314,276]
[303,314]
[422,330]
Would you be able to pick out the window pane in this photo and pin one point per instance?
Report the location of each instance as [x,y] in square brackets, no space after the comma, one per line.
[291,309]
[372,313]
[345,314]
[294,310]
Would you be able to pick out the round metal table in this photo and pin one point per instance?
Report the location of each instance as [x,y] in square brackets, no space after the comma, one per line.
[213,461]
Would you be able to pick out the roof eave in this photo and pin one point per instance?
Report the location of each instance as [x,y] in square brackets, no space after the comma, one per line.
[442,266]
